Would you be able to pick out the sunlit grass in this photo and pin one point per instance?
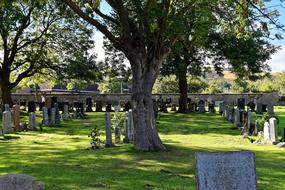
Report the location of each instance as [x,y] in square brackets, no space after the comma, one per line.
[58,156]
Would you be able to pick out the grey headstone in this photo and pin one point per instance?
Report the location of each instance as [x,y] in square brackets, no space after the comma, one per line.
[249,119]
[32,121]
[20,182]
[117,135]
[131,126]
[45,116]
[273,130]
[7,107]
[270,109]
[237,118]
[52,116]
[7,122]
[226,171]
[65,112]
[126,127]
[109,142]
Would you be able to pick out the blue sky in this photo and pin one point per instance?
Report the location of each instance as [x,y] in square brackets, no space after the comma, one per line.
[277,61]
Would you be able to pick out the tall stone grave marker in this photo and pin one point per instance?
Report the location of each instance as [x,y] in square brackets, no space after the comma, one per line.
[7,122]
[201,106]
[258,108]
[273,130]
[65,112]
[52,116]
[32,121]
[57,115]
[109,142]
[226,171]
[237,118]
[45,120]
[131,126]
[16,117]
[266,131]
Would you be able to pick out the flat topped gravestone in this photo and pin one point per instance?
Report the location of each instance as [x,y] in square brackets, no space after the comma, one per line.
[226,171]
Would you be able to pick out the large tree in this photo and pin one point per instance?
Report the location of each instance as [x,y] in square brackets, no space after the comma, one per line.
[35,36]
[147,31]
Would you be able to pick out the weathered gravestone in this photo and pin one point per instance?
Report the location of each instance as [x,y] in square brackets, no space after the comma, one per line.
[65,112]
[237,121]
[45,120]
[201,106]
[130,126]
[266,132]
[7,107]
[173,107]
[109,107]
[273,130]
[117,135]
[20,182]
[52,116]
[16,117]
[221,107]
[126,139]
[7,122]
[109,142]
[270,109]
[57,115]
[226,171]
[32,121]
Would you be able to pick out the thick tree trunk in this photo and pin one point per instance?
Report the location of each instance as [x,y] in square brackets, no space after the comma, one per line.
[6,93]
[182,80]
[146,136]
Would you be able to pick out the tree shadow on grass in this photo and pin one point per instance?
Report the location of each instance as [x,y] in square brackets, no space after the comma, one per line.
[125,168]
[195,123]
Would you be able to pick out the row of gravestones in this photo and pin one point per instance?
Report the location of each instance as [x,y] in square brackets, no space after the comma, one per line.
[11,120]
[128,129]
[244,120]
[78,106]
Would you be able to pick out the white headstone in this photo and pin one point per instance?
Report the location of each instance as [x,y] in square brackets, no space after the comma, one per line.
[266,131]
[32,121]
[273,130]
[226,171]
[7,122]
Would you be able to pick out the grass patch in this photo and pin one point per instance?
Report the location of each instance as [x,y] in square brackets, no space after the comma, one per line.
[58,156]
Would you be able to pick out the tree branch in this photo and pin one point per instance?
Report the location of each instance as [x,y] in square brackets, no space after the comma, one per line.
[102,28]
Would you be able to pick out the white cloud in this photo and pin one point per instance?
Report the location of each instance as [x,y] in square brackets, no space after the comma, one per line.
[277,61]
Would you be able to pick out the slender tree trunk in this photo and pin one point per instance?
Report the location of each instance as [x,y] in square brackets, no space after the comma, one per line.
[146,136]
[6,92]
[183,86]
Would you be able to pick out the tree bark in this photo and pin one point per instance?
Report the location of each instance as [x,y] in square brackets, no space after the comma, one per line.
[6,93]
[146,136]
[183,86]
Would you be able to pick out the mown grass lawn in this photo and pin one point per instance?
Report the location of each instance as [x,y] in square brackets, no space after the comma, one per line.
[59,156]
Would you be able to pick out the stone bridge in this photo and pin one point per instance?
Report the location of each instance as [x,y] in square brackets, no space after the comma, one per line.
[264,98]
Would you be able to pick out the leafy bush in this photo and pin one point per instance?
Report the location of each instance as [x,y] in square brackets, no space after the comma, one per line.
[96,142]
